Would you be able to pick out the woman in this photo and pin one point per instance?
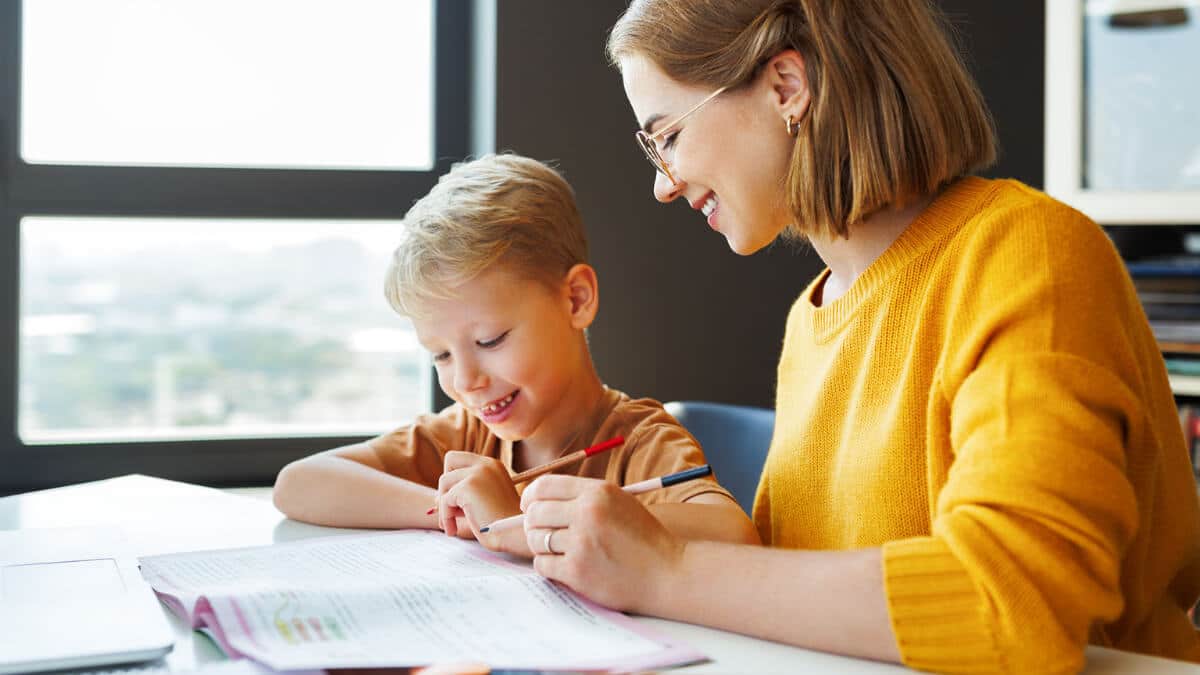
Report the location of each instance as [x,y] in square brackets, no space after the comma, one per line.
[977,464]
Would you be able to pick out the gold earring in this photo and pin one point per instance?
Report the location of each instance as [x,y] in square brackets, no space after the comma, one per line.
[793,127]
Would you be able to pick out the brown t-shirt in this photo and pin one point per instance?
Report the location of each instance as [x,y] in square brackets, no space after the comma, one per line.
[655,445]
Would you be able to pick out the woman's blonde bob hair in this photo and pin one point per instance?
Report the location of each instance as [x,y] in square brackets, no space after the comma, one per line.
[894,114]
[498,210]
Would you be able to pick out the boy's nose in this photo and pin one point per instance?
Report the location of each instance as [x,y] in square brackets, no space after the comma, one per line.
[664,190]
[468,376]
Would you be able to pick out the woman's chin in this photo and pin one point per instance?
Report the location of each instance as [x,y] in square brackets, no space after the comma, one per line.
[743,247]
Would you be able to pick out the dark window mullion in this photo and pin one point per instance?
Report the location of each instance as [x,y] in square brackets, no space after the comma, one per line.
[452,56]
[10,71]
[209,192]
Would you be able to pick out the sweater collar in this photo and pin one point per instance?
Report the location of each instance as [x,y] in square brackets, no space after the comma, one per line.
[957,203]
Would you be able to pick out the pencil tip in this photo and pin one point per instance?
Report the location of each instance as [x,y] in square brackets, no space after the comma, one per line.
[484,529]
[430,511]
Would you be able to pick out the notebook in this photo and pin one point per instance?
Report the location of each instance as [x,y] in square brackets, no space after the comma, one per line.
[398,599]
[73,598]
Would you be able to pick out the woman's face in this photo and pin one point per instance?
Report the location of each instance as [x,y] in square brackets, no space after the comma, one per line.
[732,153]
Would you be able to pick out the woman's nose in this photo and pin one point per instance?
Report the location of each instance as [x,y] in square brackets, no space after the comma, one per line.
[666,191]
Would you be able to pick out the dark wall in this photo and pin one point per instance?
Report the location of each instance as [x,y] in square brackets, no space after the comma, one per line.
[1004,43]
[681,315]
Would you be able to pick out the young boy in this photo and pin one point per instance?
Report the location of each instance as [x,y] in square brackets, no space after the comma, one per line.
[493,272]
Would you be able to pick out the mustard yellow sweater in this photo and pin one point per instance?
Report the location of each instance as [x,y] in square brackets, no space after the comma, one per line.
[988,405]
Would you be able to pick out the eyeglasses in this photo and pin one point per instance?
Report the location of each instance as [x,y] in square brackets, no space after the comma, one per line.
[649,142]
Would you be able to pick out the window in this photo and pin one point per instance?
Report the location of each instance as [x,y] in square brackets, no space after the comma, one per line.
[269,83]
[143,328]
[198,201]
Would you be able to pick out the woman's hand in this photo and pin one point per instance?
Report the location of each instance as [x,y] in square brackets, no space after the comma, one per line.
[474,491]
[606,545]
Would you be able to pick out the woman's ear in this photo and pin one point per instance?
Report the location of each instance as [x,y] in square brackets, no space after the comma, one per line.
[583,294]
[787,81]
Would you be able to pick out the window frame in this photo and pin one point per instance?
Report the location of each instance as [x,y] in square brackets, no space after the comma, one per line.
[132,191]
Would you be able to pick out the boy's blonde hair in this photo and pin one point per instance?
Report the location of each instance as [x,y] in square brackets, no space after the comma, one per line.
[496,210]
[893,115]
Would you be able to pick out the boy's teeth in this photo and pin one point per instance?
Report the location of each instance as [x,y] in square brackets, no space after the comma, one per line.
[498,405]
[709,206]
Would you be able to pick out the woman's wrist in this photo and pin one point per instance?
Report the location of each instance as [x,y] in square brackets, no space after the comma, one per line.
[668,578]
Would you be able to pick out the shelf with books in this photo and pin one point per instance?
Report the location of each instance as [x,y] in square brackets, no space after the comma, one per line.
[1189,421]
[1183,369]
[1169,289]
[1181,355]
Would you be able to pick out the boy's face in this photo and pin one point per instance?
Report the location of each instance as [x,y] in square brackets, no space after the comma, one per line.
[506,348]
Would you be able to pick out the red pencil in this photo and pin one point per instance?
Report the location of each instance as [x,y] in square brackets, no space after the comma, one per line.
[565,460]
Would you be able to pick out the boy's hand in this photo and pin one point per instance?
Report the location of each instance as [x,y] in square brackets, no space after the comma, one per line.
[481,489]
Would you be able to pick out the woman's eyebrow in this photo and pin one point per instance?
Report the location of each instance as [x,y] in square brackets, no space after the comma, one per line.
[650,121]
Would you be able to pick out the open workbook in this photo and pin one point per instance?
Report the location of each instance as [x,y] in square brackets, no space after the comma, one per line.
[395,599]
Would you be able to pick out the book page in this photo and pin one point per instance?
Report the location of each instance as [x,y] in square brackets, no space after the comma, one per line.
[339,562]
[401,599]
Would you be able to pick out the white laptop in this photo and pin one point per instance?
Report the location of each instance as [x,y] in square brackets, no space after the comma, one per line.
[73,598]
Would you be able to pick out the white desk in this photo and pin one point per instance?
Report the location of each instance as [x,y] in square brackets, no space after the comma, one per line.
[161,516]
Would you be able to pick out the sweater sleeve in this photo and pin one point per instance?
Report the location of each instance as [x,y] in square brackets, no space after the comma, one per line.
[1043,397]
[1030,527]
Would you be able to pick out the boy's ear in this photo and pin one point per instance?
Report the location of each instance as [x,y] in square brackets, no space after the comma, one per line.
[583,293]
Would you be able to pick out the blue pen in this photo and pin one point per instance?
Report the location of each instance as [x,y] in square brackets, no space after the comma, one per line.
[633,489]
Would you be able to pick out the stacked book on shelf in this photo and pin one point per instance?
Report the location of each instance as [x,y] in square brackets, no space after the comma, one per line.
[1189,419]
[1169,289]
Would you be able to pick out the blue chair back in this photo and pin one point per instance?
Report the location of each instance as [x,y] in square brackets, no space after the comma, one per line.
[735,439]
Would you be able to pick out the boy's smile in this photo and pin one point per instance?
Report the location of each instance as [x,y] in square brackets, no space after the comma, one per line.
[497,411]
[512,351]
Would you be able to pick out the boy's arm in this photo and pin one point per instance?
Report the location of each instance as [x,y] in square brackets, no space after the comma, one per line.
[710,517]
[385,482]
[350,487]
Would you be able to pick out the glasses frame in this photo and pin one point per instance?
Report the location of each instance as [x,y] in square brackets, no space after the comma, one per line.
[648,142]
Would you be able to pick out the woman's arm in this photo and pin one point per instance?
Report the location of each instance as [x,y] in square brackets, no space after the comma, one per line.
[709,517]
[348,487]
[615,552]
[827,600]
